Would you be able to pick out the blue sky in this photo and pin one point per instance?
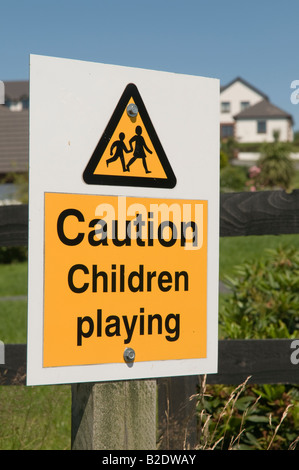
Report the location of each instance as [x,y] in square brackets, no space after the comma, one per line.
[257,40]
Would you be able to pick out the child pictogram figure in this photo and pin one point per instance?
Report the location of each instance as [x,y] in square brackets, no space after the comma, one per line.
[139,152]
[119,153]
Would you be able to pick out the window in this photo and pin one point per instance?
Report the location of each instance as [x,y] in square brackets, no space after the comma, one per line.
[227,130]
[244,105]
[261,127]
[225,106]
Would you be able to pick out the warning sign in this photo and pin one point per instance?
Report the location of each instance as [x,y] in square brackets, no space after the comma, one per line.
[129,152]
[131,272]
[123,223]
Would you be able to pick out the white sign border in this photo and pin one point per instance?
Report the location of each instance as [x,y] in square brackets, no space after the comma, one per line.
[47,70]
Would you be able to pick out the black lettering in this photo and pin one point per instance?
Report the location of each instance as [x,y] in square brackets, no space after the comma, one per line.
[114,328]
[60,227]
[80,332]
[73,269]
[126,241]
[141,321]
[175,329]
[95,275]
[139,276]
[150,323]
[184,226]
[150,229]
[171,242]
[139,224]
[177,276]
[150,275]
[129,328]
[94,238]
[164,277]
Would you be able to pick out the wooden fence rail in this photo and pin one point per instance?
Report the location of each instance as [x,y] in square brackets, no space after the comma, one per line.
[266,361]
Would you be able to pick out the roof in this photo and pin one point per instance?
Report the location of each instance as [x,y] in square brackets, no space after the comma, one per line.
[16,90]
[14,140]
[263,110]
[247,84]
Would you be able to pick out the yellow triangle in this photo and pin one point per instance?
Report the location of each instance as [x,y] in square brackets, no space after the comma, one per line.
[127,125]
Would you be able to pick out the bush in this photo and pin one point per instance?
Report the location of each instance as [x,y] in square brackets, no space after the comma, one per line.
[13,254]
[249,417]
[223,159]
[265,298]
[264,303]
[277,168]
[232,178]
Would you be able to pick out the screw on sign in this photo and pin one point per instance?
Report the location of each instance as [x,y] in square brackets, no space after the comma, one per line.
[129,355]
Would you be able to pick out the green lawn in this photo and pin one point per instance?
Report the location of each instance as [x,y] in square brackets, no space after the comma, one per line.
[237,250]
[35,418]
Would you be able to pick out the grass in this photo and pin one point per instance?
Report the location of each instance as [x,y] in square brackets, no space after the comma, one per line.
[237,250]
[32,418]
[13,279]
[35,418]
[13,321]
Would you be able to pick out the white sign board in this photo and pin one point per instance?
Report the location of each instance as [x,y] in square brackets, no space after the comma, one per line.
[123,223]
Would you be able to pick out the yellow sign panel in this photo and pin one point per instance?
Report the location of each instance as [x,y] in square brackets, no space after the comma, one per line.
[124,272]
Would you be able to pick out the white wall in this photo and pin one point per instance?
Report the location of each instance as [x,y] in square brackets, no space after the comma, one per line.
[246,130]
[254,156]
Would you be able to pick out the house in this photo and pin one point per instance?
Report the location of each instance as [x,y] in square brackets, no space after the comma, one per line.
[17,95]
[14,129]
[247,115]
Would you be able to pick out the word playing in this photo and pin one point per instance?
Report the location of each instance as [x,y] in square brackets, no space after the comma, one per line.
[116,325]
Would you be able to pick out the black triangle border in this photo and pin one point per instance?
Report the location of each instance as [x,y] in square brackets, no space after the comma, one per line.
[89,177]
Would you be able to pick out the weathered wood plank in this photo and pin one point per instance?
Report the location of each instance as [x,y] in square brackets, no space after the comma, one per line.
[177,420]
[266,360]
[14,225]
[259,213]
[241,214]
[114,415]
[13,372]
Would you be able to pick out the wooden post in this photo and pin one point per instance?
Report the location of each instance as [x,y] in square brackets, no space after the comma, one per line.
[177,423]
[114,415]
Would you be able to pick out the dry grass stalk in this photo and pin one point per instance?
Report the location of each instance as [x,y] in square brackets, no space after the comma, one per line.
[278,426]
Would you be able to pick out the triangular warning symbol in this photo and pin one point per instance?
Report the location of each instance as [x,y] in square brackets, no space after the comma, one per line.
[129,153]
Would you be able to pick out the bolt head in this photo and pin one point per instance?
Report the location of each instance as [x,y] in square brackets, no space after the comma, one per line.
[132,110]
[129,355]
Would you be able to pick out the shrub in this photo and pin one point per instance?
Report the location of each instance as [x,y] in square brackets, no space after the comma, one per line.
[13,254]
[248,417]
[264,303]
[265,298]
[223,159]
[232,178]
[277,168]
